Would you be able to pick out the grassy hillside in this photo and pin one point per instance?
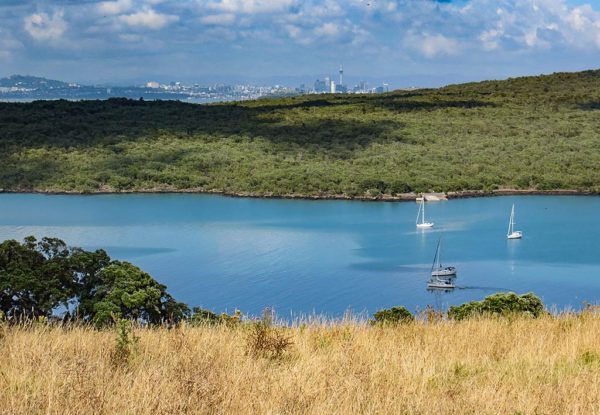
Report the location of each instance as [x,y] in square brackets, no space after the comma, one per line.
[549,365]
[527,133]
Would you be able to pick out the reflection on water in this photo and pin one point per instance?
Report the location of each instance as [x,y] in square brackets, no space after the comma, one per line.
[328,256]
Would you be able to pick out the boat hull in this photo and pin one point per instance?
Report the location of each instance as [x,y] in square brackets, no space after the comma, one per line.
[515,235]
[444,272]
[425,225]
[440,286]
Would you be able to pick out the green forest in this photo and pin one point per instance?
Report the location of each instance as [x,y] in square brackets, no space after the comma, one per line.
[538,133]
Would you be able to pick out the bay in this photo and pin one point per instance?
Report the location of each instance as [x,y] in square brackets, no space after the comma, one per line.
[328,257]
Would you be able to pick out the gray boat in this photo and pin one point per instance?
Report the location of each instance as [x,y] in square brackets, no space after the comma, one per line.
[437,269]
[441,283]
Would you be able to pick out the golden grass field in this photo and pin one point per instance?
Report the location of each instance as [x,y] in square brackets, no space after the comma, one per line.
[549,365]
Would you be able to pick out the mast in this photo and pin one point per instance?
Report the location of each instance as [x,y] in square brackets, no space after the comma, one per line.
[436,257]
[512,229]
[440,254]
[511,221]
[423,217]
[419,212]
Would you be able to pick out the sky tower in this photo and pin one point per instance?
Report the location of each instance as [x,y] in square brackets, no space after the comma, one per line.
[341,74]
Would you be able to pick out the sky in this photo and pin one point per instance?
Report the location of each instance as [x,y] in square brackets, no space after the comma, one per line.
[402,42]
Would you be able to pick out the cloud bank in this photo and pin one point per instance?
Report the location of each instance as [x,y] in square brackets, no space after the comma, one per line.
[393,36]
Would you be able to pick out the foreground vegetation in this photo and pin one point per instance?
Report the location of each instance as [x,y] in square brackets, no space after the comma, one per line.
[525,133]
[549,365]
[126,346]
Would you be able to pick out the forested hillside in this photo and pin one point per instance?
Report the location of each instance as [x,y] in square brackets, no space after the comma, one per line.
[526,133]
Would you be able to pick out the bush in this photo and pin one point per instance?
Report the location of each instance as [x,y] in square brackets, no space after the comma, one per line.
[201,316]
[398,186]
[126,344]
[501,304]
[268,341]
[394,315]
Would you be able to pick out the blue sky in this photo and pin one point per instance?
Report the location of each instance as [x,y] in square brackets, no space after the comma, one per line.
[403,42]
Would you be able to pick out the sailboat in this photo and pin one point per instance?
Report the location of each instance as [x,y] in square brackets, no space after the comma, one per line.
[441,277]
[421,215]
[512,234]
[437,269]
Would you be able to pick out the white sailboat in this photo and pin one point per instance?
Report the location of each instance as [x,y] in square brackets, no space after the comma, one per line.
[512,234]
[421,215]
[437,269]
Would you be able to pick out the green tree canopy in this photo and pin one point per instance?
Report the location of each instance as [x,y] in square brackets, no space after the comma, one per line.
[126,291]
[500,304]
[37,277]
[393,315]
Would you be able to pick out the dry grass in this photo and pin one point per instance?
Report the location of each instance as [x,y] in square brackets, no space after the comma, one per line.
[545,366]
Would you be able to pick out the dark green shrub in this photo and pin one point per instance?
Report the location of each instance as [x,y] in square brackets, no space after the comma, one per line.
[399,186]
[500,304]
[201,316]
[371,184]
[392,315]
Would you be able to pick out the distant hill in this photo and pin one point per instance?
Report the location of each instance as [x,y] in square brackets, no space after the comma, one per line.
[29,88]
[533,133]
[31,82]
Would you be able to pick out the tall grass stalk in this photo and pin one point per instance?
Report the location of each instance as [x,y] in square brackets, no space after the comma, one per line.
[549,365]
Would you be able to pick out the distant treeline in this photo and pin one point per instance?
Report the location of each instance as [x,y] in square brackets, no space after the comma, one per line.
[525,133]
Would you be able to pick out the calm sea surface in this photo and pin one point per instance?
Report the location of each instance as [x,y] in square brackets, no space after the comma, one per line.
[326,257]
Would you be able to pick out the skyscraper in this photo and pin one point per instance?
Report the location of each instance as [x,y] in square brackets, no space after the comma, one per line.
[321,86]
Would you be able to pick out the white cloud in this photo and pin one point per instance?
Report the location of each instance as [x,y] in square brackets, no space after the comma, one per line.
[251,6]
[218,19]
[327,30]
[434,45]
[114,7]
[41,26]
[325,10]
[477,30]
[148,18]
[489,39]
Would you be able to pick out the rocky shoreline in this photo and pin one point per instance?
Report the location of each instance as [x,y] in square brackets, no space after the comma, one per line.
[402,197]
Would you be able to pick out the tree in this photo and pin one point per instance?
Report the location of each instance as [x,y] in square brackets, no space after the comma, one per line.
[393,315]
[125,291]
[500,304]
[38,277]
[87,267]
[35,277]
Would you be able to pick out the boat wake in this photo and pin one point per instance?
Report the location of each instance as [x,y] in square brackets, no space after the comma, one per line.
[475,287]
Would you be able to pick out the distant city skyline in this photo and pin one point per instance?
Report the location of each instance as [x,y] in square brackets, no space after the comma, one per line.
[24,87]
[400,42]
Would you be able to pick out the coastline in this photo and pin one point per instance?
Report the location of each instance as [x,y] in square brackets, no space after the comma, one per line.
[401,197]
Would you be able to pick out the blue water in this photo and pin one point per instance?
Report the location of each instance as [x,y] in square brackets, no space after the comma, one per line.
[327,257]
